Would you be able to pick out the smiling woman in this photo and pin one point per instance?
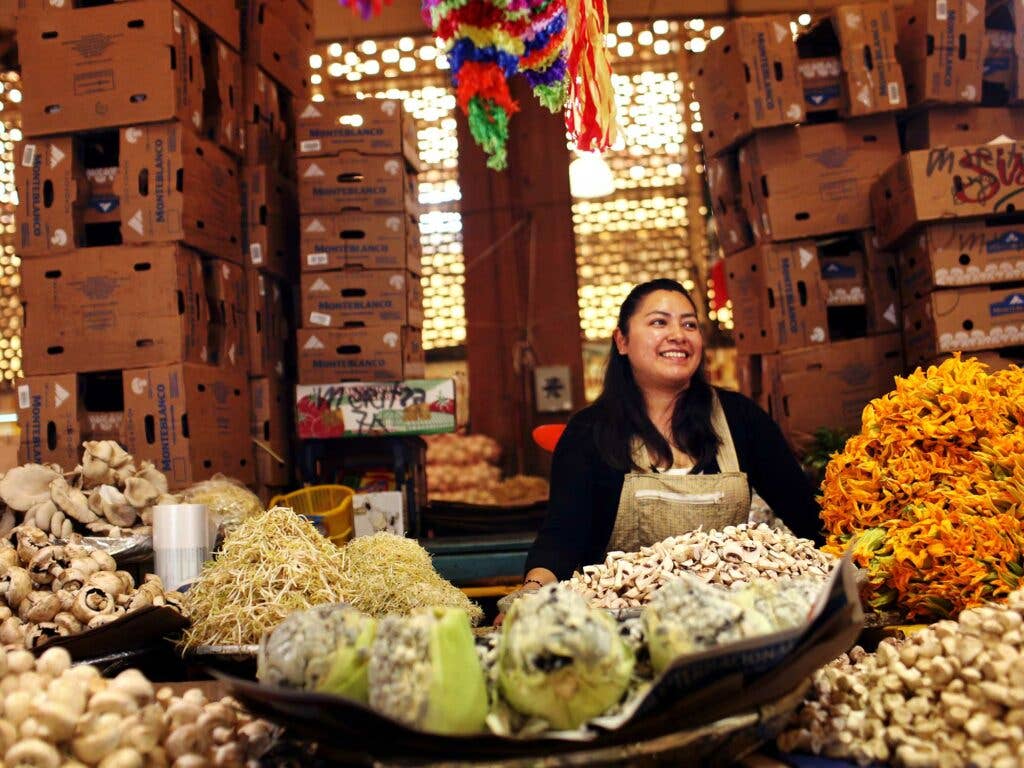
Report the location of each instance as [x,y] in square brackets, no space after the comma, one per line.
[661,451]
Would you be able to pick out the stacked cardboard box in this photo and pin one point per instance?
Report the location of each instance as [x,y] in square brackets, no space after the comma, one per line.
[796,132]
[362,306]
[953,208]
[278,38]
[128,225]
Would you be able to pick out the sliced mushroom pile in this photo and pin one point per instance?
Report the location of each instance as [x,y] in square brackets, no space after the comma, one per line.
[48,589]
[58,715]
[731,557]
[104,494]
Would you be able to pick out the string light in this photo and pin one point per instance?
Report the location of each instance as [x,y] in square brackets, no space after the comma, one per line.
[10,279]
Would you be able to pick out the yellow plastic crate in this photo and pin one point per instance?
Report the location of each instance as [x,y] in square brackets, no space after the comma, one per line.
[328,507]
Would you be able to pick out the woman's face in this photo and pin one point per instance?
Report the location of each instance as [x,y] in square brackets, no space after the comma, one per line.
[664,345]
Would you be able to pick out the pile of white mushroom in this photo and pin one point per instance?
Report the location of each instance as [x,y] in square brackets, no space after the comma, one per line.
[106,493]
[731,557]
[58,715]
[950,695]
[55,590]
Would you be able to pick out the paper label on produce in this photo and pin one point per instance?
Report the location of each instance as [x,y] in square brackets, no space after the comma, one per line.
[941,10]
[310,145]
[317,259]
[255,253]
[24,397]
[894,93]
[319,318]
[28,155]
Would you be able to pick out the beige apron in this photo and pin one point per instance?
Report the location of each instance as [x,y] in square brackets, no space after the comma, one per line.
[655,505]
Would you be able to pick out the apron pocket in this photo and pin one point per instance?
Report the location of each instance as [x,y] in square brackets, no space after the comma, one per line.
[716,497]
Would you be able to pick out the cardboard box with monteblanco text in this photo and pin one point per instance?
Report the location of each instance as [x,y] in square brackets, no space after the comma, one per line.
[50,420]
[351,181]
[940,47]
[81,70]
[812,180]
[141,184]
[191,421]
[778,297]
[371,353]
[355,240]
[848,62]
[829,385]
[747,80]
[114,308]
[948,183]
[57,413]
[361,297]
[367,126]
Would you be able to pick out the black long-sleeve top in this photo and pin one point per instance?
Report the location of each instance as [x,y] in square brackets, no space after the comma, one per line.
[585,490]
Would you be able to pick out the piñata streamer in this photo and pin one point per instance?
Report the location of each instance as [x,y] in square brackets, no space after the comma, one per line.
[366,8]
[590,107]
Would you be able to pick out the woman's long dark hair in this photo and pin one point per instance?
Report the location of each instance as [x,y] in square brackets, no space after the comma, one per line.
[625,416]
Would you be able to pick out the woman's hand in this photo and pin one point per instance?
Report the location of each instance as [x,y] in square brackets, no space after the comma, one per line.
[535,579]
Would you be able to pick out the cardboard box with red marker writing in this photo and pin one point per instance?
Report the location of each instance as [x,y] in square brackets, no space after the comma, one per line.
[948,183]
[357,409]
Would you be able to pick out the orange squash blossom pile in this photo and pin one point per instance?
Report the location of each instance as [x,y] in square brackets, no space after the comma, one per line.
[931,491]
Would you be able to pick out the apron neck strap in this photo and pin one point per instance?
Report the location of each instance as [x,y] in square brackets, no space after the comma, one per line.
[726,455]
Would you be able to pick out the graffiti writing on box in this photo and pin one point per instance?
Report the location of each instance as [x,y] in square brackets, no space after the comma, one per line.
[368,404]
[992,175]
